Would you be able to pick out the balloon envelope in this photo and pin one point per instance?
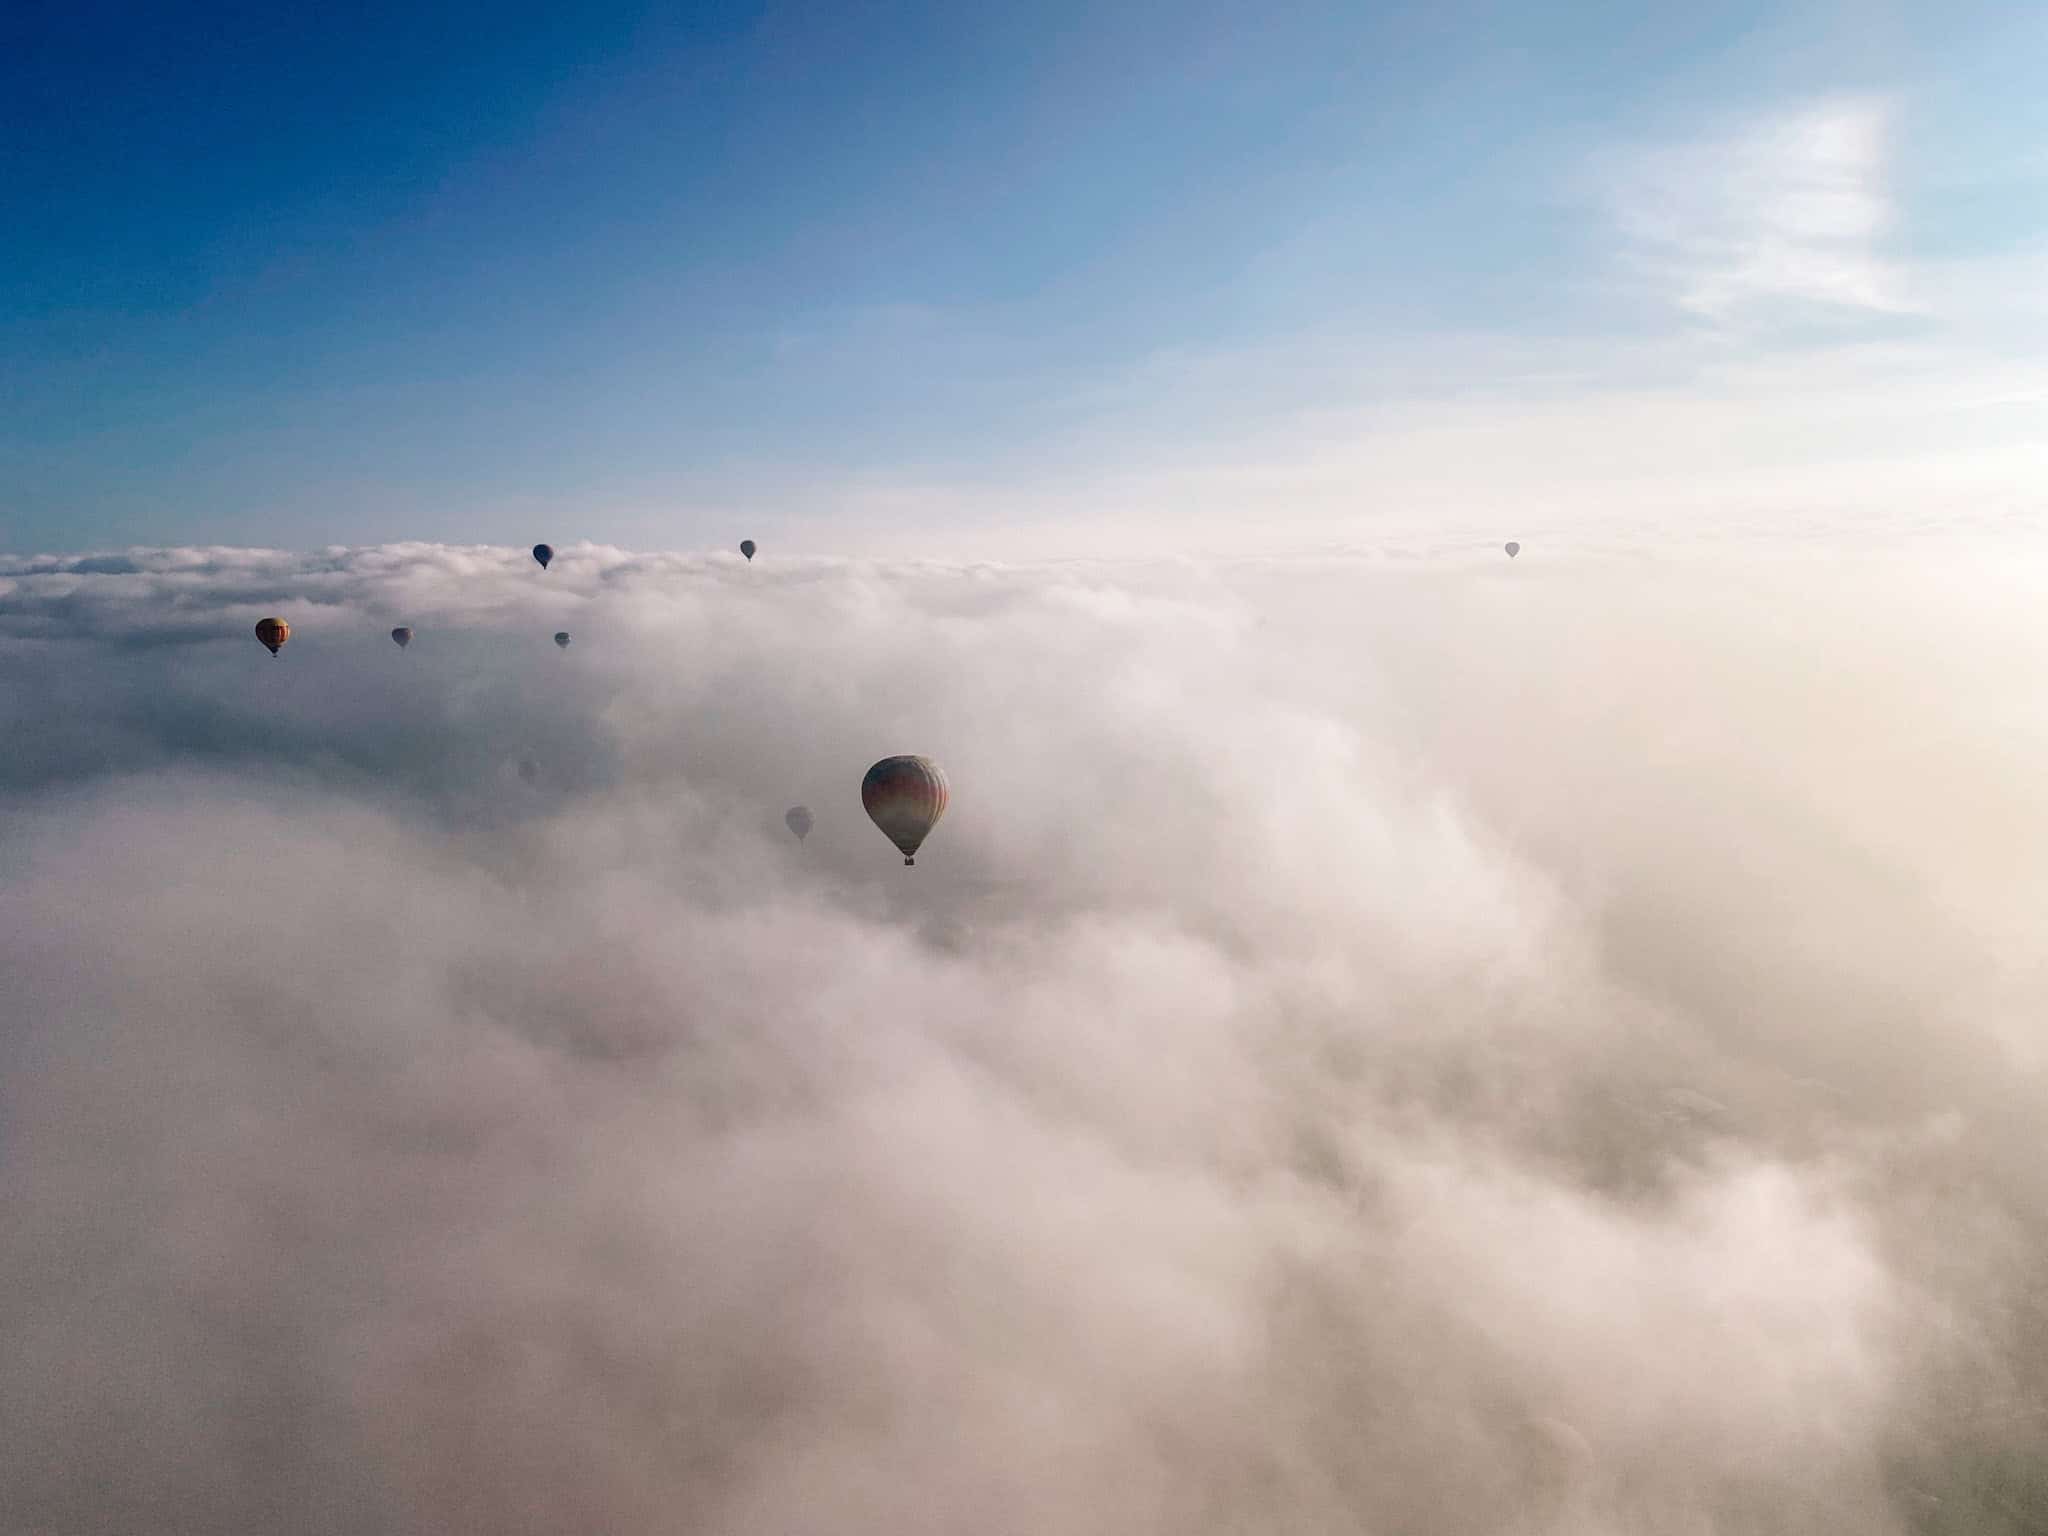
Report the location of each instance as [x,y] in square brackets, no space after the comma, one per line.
[273,633]
[403,635]
[562,638]
[1555,1456]
[798,820]
[747,548]
[543,553]
[1514,550]
[905,797]
[1687,1104]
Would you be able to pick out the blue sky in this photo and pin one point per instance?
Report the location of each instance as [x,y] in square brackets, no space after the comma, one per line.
[892,274]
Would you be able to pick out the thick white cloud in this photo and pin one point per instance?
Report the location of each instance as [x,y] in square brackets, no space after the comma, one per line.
[1376,1045]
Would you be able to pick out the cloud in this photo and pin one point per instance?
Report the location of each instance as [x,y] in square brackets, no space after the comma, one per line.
[1780,214]
[1375,1044]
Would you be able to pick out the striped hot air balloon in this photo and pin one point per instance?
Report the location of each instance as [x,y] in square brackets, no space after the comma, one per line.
[273,633]
[905,797]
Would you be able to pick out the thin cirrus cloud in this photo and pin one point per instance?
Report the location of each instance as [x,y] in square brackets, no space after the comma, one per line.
[1787,211]
[1911,400]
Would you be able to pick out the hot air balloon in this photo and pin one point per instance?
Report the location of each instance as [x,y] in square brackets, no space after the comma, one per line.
[562,638]
[905,797]
[529,770]
[543,553]
[273,633]
[403,635]
[799,821]
[747,548]
[1514,549]
[1556,1460]
[1685,1105]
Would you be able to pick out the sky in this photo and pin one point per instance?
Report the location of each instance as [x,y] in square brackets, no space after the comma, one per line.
[1013,281]
[1386,1037]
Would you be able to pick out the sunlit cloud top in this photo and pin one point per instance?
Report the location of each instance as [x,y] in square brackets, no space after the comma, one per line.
[1374,1043]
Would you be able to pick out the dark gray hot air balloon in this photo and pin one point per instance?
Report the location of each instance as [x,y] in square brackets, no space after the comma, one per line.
[747,548]
[543,553]
[529,770]
[562,638]
[798,820]
[905,797]
[403,635]
[1514,549]
[1556,1461]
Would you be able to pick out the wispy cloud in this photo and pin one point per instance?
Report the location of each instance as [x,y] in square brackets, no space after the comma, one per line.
[1790,209]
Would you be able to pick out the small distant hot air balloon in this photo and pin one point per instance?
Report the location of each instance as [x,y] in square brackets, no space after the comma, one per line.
[747,548]
[798,820]
[273,633]
[403,635]
[529,770]
[562,638]
[905,797]
[1514,549]
[1685,1105]
[1555,1458]
[543,553]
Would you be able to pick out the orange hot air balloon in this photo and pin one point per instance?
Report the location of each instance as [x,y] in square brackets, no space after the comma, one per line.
[273,633]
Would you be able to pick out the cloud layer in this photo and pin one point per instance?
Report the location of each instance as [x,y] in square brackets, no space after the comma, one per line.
[1375,1045]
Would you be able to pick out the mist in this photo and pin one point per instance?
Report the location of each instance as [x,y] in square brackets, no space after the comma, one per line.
[1389,1042]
